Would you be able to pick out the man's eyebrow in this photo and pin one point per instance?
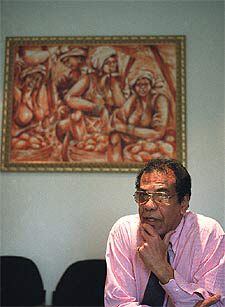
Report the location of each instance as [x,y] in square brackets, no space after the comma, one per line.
[157,190]
[162,190]
[142,190]
[165,190]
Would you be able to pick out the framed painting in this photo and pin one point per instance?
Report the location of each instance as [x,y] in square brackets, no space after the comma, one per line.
[93,103]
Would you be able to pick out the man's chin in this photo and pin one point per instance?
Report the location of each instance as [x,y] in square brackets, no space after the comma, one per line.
[156,227]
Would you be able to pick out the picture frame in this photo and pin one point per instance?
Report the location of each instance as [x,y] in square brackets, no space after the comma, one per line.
[93,104]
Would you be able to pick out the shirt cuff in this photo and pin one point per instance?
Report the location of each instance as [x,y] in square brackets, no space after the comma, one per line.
[182,292]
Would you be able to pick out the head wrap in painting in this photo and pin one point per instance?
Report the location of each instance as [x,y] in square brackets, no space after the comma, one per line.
[100,55]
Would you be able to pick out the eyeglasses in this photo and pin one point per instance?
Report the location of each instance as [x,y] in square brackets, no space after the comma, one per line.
[142,197]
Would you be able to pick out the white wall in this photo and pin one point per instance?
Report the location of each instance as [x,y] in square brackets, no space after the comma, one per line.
[58,218]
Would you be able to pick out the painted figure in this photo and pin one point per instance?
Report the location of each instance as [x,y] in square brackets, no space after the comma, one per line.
[109,81]
[86,113]
[143,117]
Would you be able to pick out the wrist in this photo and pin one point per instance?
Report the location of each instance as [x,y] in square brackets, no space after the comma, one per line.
[165,275]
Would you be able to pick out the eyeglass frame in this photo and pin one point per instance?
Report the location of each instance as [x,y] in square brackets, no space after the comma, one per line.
[151,195]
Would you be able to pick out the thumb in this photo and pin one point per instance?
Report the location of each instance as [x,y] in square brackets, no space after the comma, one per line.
[166,239]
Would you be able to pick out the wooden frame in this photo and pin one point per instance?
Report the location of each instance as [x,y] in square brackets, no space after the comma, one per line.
[93,103]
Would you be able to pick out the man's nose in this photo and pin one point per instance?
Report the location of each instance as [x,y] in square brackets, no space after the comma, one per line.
[150,204]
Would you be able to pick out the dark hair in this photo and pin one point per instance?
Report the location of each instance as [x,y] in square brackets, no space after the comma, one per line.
[183,178]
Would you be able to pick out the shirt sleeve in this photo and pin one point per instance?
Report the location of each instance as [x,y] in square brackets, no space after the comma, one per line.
[207,280]
[120,286]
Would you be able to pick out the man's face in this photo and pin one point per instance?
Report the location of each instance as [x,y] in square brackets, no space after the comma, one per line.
[165,216]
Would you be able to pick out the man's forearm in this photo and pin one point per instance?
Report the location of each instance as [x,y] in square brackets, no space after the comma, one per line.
[189,298]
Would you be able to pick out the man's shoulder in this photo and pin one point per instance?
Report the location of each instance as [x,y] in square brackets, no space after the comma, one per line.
[203,223]
[128,221]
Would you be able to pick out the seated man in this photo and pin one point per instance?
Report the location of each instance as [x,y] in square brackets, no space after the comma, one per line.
[166,255]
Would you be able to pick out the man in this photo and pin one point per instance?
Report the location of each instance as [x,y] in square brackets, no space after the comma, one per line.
[183,252]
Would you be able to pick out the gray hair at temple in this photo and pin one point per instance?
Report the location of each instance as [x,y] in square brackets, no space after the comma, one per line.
[183,178]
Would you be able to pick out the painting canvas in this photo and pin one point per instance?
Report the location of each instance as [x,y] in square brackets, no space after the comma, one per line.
[93,103]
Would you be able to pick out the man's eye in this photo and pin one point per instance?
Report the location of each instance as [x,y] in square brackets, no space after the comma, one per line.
[162,195]
[144,195]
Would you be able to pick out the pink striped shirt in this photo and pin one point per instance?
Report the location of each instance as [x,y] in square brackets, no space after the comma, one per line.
[197,255]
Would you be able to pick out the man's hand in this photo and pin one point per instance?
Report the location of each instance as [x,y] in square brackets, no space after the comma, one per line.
[209,301]
[153,253]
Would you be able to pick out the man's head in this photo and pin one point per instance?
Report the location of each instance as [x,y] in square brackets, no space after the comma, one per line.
[163,190]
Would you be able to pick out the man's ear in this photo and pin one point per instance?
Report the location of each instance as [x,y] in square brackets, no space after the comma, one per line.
[184,204]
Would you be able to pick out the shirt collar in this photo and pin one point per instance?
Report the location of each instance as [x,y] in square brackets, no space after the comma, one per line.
[175,236]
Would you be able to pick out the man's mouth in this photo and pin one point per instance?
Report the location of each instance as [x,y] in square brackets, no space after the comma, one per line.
[150,220]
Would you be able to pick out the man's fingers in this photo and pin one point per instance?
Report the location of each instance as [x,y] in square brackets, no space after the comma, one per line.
[149,229]
[141,248]
[209,301]
[144,235]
